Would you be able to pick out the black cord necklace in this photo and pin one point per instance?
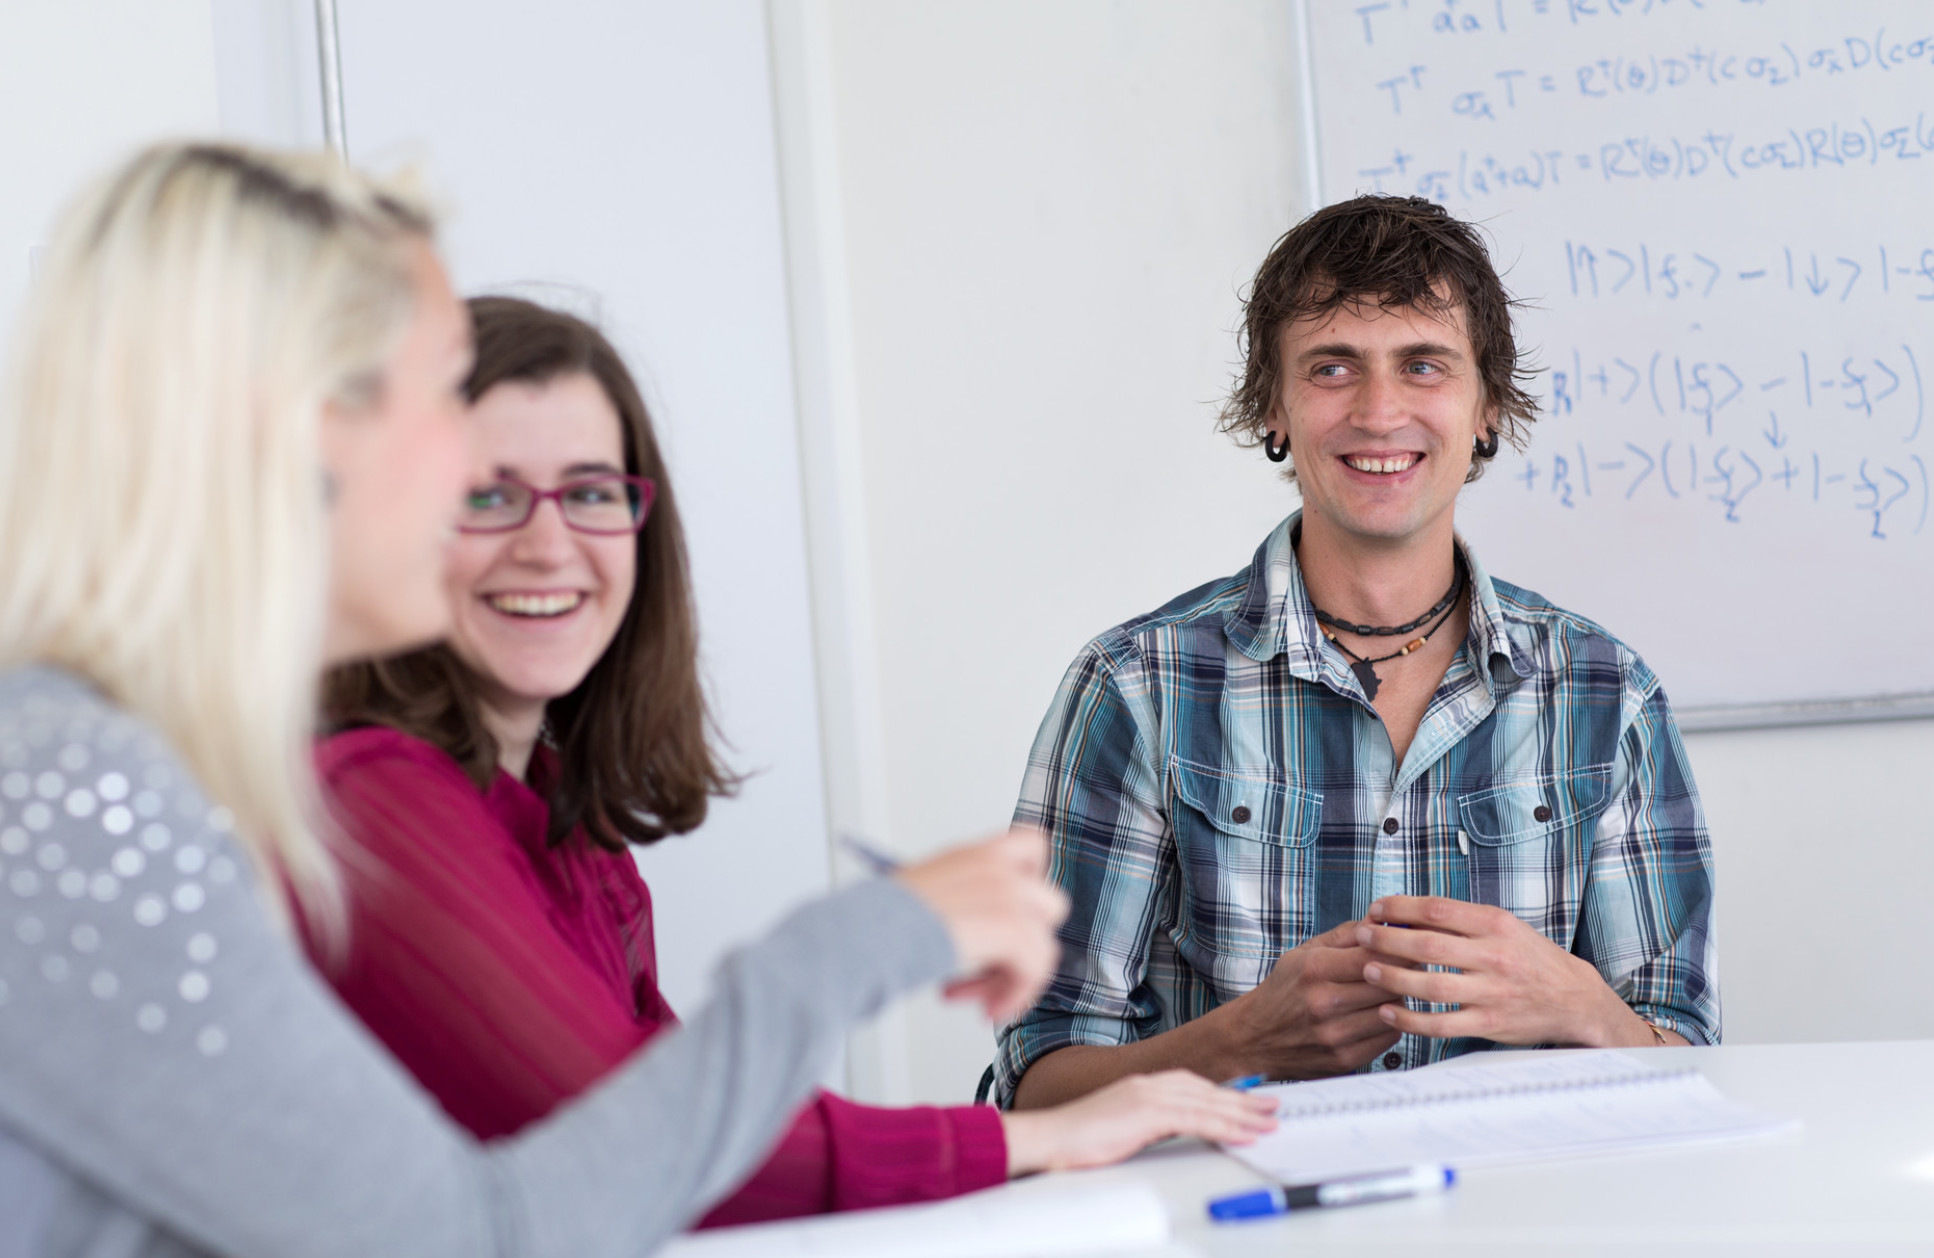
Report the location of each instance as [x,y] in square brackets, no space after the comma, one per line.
[1391,631]
[1365,669]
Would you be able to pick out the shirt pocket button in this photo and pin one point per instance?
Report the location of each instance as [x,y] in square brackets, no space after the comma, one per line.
[1541,813]
[1240,815]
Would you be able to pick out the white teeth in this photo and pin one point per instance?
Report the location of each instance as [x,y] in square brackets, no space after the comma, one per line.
[1401,463]
[535,604]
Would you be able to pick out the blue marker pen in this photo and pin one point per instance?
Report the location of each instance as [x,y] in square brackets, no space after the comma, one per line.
[1246,1082]
[1355,1190]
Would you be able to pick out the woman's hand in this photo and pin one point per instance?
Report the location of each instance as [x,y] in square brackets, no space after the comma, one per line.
[1001,913]
[1130,1114]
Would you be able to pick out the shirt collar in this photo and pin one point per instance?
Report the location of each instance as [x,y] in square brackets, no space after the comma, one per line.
[1276,617]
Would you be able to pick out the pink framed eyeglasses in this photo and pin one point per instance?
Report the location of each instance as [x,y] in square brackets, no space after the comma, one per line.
[593,504]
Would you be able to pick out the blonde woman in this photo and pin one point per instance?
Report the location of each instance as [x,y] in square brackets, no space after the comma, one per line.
[239,373]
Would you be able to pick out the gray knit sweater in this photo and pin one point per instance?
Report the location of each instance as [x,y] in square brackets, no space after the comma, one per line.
[174,1079]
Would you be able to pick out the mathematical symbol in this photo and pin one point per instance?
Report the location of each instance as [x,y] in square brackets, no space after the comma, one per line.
[1640,478]
[1637,377]
[1630,268]
[1891,375]
[1855,380]
[1395,86]
[1707,291]
[1364,12]
[1852,279]
[1816,281]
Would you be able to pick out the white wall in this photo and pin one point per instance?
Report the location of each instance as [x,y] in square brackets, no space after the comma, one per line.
[1045,213]
[619,159]
[81,85]
[1826,853]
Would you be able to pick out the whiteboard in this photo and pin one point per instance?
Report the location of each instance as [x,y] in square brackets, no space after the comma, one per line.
[1723,213]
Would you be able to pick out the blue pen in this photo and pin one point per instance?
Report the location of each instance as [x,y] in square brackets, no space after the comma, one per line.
[1353,1190]
[1246,1082]
[872,857]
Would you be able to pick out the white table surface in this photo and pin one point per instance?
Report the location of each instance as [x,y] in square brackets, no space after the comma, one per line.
[1857,1179]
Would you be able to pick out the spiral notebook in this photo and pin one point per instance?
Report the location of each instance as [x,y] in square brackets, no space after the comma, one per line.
[1511,1107]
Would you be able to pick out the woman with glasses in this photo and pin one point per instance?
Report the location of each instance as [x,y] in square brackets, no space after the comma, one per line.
[502,940]
[232,446]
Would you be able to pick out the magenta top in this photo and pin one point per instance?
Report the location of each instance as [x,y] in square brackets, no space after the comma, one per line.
[510,975]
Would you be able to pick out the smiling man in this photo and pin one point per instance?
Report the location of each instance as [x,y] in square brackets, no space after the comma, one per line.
[1359,805]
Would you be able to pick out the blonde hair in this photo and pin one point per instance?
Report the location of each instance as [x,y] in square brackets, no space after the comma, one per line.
[163,524]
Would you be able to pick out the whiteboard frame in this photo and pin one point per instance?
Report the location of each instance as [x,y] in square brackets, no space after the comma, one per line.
[1695,720]
[1306,98]
[1907,707]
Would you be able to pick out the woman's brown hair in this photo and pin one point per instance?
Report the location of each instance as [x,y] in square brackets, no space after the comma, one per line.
[635,739]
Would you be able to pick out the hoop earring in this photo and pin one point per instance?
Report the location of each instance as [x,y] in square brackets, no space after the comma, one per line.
[1487,448]
[1275,452]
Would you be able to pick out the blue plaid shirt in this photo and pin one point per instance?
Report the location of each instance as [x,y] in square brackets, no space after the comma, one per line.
[1217,790]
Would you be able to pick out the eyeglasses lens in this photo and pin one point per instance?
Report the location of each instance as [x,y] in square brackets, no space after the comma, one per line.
[604,505]
[491,507]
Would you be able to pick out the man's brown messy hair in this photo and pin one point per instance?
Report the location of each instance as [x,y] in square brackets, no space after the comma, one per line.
[1394,253]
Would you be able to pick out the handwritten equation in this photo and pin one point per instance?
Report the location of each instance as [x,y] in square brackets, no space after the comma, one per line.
[1496,17]
[1885,497]
[1720,203]
[1834,275]
[1831,148]
[1839,431]
[1882,384]
[1496,96]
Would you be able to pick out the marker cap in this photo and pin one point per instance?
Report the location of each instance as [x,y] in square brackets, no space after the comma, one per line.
[1250,1205]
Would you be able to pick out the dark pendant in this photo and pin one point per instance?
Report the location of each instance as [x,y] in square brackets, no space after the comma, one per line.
[1368,676]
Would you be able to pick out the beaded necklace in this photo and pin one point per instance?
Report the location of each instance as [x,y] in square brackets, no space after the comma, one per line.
[1365,669]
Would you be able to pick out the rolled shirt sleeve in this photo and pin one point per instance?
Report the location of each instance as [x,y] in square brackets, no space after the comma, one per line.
[1647,917]
[1093,786]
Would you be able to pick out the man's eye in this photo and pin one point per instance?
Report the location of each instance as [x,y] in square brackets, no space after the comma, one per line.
[1330,370]
[1425,369]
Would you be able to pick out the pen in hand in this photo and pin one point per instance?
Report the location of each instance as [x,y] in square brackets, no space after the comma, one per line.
[869,855]
[999,910]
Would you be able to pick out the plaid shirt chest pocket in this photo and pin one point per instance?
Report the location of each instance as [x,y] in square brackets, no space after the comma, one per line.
[1530,845]
[1245,847]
